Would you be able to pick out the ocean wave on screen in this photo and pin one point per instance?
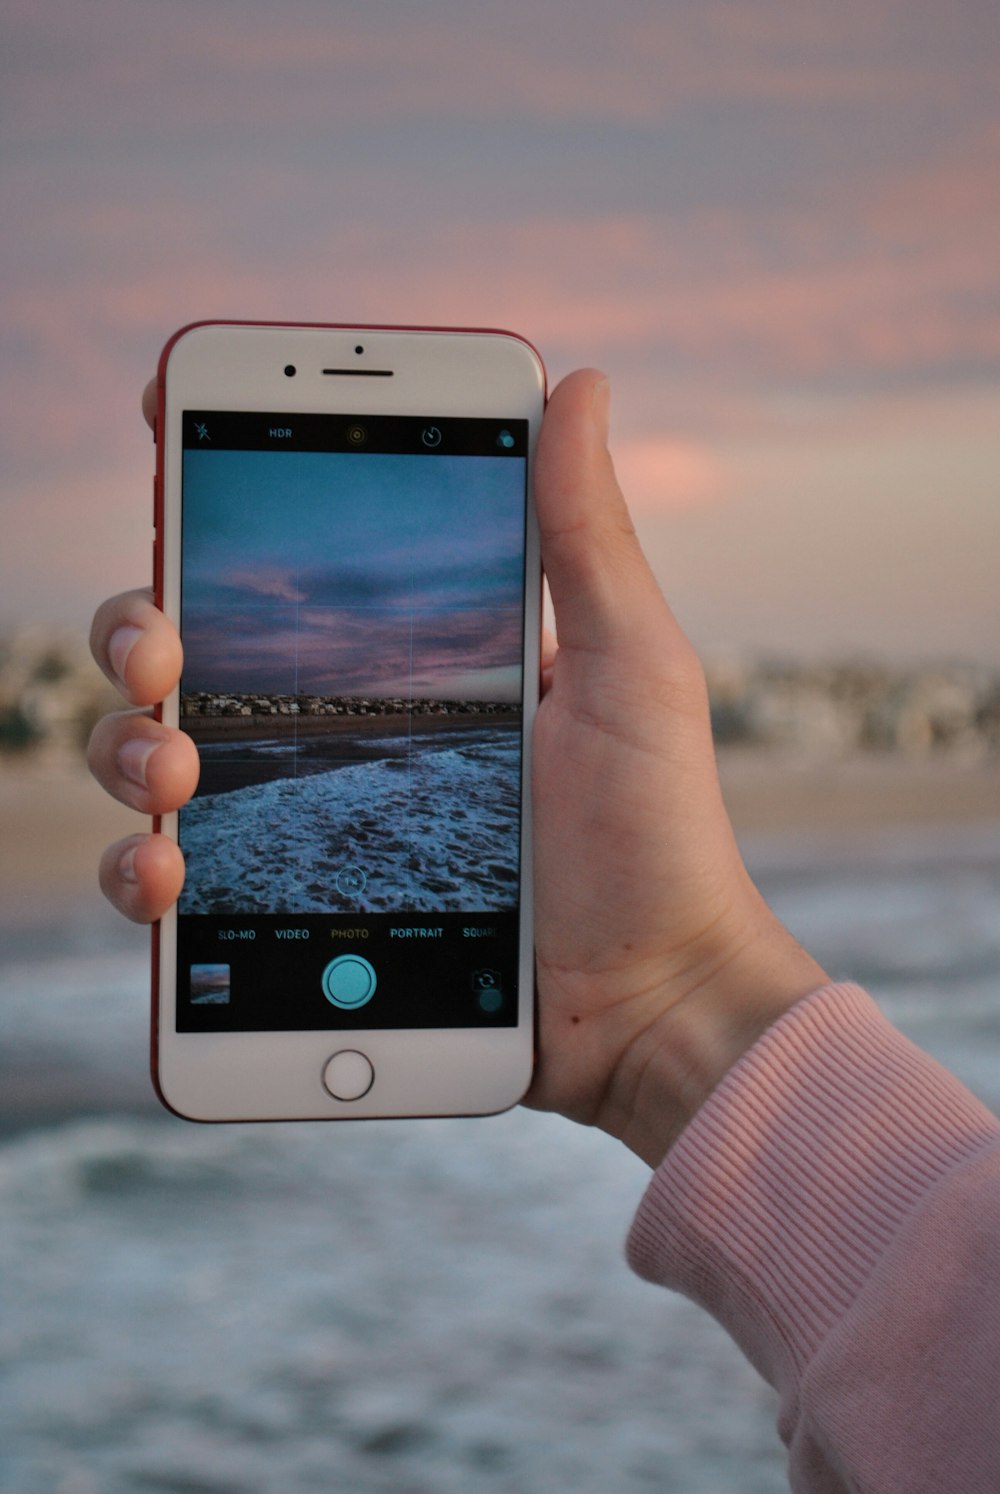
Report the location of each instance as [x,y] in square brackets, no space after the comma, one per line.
[434,831]
[259,747]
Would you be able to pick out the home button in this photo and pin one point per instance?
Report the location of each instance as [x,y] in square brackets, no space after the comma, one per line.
[348,1075]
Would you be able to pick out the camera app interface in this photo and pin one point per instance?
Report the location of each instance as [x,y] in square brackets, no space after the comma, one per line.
[352,608]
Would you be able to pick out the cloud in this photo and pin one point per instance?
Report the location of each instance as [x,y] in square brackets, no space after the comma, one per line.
[890,278]
[657,473]
[947,203]
[756,217]
[264,582]
[181,70]
[873,528]
[343,651]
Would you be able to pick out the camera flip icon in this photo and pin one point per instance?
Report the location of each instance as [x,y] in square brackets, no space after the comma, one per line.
[488,988]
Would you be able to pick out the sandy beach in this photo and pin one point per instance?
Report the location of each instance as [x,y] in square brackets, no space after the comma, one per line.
[53,827]
[55,823]
[785,792]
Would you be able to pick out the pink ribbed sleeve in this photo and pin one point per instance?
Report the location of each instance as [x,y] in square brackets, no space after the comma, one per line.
[836,1205]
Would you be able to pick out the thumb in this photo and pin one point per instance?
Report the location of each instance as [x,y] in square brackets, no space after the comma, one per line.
[598,576]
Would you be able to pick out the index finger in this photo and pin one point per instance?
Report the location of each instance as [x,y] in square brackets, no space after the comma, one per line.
[137,647]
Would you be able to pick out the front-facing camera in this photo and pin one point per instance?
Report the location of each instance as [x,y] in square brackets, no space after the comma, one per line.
[359,348]
[289,370]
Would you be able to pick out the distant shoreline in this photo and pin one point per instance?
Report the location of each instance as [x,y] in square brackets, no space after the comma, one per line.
[371,726]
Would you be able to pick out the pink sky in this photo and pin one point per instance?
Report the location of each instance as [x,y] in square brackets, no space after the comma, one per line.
[775,226]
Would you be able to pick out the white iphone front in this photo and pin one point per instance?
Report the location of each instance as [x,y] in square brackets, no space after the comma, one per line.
[346,538]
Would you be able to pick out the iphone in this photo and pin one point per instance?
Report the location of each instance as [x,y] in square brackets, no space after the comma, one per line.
[346,539]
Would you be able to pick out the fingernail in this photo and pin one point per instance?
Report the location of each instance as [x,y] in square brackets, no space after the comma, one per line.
[133,756]
[126,866]
[602,408]
[121,643]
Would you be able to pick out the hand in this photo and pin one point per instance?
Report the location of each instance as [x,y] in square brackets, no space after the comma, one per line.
[658,961]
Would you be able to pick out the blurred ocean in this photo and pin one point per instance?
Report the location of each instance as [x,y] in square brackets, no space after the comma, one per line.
[424,1308]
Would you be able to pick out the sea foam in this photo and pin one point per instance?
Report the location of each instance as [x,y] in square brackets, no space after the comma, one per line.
[434,830]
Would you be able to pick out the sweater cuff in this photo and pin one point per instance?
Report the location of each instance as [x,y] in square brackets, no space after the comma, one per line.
[777,1200]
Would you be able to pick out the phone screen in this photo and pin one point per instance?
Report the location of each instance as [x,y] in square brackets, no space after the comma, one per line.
[352,612]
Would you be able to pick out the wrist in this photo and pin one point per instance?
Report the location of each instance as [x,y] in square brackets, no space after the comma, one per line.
[673,1064]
